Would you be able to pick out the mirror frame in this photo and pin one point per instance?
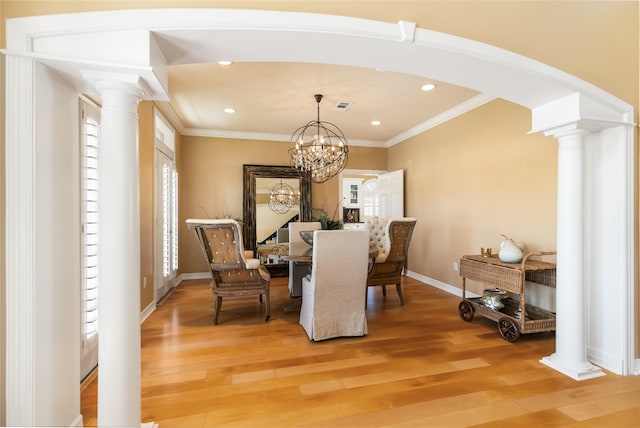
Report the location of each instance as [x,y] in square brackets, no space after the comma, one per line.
[250,173]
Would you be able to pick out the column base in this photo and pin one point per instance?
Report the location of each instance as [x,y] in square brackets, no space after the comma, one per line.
[584,372]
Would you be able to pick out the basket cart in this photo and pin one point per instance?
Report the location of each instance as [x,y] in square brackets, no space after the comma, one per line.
[516,317]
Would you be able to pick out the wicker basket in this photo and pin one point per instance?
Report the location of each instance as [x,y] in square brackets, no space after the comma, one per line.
[510,277]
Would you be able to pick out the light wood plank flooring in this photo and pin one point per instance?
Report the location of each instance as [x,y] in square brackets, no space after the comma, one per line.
[420,366]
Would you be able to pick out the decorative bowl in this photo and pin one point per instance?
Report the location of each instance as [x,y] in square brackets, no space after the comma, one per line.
[307,236]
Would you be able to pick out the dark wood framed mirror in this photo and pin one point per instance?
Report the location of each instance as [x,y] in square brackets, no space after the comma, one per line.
[252,175]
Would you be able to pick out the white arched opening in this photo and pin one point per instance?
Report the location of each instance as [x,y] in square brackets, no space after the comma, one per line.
[136,47]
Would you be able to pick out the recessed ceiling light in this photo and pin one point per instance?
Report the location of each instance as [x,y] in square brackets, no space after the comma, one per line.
[229,110]
[428,87]
[376,122]
[225,62]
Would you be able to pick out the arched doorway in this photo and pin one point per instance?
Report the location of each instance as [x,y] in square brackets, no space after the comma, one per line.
[143,44]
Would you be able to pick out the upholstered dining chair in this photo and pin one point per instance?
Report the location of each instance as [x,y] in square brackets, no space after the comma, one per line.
[333,295]
[391,236]
[297,270]
[234,271]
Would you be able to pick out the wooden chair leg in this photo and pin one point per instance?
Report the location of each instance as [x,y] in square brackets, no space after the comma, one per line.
[268,308]
[399,290]
[218,305]
[384,290]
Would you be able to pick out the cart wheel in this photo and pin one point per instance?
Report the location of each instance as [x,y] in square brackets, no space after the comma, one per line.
[465,309]
[508,329]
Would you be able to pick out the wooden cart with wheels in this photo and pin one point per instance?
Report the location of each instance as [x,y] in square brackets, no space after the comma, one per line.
[516,317]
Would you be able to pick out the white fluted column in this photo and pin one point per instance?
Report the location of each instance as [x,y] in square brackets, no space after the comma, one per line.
[21,248]
[570,357]
[119,400]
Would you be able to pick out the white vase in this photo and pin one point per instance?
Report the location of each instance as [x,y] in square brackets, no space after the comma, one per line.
[510,252]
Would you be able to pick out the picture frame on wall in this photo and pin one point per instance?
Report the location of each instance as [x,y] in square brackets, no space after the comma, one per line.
[351,215]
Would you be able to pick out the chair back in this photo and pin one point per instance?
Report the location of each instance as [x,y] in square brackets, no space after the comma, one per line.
[282,235]
[400,231]
[333,297]
[220,241]
[391,237]
[295,227]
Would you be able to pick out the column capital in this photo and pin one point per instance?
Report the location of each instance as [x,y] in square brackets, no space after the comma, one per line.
[131,84]
[572,129]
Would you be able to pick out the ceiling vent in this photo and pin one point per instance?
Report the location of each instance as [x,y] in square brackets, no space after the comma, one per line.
[343,105]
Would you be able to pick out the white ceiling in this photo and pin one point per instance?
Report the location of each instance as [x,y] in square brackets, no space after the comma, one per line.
[273,99]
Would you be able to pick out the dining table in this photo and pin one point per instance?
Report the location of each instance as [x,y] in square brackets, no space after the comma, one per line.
[303,252]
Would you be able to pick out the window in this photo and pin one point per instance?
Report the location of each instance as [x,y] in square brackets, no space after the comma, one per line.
[166,207]
[90,240]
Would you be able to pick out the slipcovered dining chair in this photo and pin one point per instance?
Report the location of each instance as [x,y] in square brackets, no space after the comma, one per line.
[297,270]
[391,236]
[234,271]
[333,295]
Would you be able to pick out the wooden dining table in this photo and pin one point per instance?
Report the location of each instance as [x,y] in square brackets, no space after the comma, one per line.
[303,252]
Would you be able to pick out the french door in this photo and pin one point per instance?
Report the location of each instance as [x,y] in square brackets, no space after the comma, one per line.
[166,210]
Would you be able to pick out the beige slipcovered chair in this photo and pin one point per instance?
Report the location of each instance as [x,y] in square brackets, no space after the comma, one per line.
[333,295]
[297,270]
[234,271]
[391,236]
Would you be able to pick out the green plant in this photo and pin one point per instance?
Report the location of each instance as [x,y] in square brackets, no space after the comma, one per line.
[324,219]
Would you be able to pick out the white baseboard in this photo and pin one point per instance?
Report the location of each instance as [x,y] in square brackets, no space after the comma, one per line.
[78,422]
[193,275]
[605,360]
[451,289]
[147,311]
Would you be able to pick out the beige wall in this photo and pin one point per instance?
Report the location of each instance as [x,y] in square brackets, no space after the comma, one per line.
[472,179]
[210,182]
[146,159]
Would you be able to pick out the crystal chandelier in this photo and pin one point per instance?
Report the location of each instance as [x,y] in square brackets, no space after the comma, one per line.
[281,198]
[319,148]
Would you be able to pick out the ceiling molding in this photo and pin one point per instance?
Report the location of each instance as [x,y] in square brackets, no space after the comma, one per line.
[446,116]
[285,138]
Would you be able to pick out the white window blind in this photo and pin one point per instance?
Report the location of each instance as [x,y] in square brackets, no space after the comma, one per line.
[174,216]
[90,192]
[166,205]
[169,218]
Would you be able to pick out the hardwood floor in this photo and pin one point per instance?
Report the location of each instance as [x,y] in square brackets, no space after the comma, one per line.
[419,366]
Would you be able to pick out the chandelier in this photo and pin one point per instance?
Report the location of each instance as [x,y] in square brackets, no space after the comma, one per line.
[319,148]
[281,198]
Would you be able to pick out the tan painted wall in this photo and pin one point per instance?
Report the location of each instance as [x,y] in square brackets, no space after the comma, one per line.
[210,182]
[472,179]
[146,160]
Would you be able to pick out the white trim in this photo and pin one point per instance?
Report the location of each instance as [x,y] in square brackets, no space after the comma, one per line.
[439,119]
[451,289]
[629,248]
[261,136]
[452,113]
[636,369]
[194,275]
[21,254]
[77,422]
[151,307]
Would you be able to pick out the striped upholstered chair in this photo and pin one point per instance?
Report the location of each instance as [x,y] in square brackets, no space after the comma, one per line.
[234,271]
[391,236]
